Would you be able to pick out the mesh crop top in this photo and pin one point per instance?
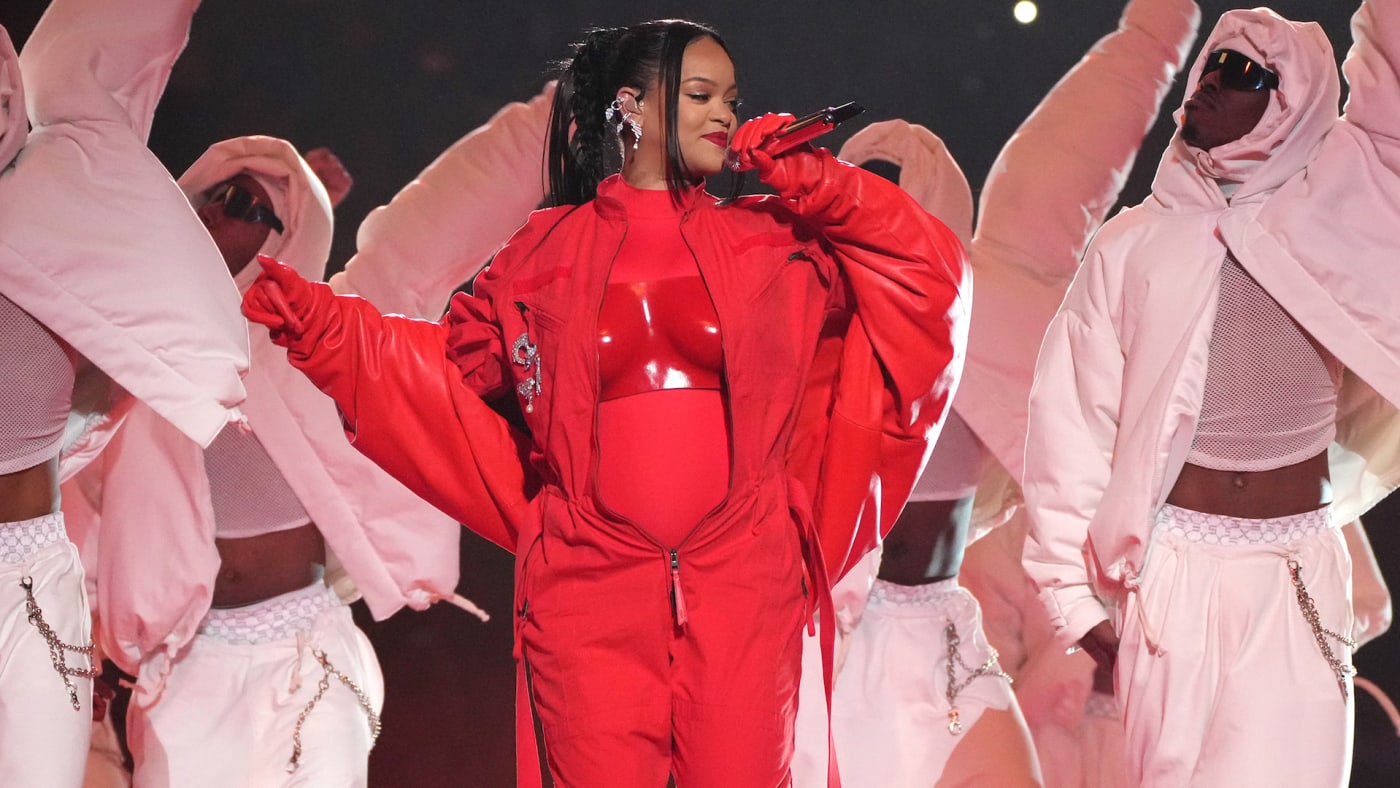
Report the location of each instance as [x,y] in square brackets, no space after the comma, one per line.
[249,494]
[1271,390]
[36,390]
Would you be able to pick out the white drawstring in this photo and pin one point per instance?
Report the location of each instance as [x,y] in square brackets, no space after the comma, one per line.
[295,683]
[457,600]
[1149,633]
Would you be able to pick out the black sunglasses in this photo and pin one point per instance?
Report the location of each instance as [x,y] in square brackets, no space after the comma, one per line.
[1238,72]
[239,203]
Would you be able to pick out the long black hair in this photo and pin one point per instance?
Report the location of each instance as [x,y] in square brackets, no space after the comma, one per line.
[606,60]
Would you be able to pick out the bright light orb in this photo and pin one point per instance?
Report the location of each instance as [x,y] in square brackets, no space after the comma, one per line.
[1025,12]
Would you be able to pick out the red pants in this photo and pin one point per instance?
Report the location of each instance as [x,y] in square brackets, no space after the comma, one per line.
[625,696]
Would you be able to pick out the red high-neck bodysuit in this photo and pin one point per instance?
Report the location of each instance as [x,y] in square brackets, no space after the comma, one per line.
[662,433]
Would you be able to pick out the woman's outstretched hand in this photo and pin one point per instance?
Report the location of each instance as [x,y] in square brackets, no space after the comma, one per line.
[279,299]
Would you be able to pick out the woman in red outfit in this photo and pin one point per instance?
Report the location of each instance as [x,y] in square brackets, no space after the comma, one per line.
[685,366]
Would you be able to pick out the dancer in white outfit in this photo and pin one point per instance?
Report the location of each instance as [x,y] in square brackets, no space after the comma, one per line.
[1216,393]
[230,625]
[921,697]
[82,204]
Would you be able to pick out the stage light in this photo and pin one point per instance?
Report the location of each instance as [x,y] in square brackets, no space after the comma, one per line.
[1025,12]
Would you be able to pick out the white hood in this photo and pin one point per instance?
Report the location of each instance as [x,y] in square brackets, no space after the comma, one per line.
[298,199]
[1300,113]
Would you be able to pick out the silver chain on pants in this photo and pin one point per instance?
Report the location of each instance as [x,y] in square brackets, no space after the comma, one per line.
[988,668]
[1321,633]
[57,647]
[329,670]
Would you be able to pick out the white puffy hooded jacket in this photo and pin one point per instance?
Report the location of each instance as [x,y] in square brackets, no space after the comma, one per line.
[1047,191]
[157,562]
[1119,380]
[96,241]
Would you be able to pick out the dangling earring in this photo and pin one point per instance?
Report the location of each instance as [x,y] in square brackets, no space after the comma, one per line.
[614,114]
[620,118]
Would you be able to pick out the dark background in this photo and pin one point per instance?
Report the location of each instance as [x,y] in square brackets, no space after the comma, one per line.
[389,85]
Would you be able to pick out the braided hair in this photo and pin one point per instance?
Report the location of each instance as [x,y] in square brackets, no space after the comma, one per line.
[606,60]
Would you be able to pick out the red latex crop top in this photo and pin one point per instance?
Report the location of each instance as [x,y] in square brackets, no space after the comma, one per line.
[658,335]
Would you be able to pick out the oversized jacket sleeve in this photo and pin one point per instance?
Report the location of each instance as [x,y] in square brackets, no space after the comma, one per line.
[104,60]
[1372,69]
[442,227]
[910,288]
[1047,192]
[99,244]
[1073,426]
[406,407]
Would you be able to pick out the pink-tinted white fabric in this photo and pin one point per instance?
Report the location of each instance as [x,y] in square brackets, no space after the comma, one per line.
[298,198]
[1219,674]
[393,548]
[896,677]
[22,540]
[1089,755]
[1119,380]
[443,227]
[275,619]
[890,712]
[226,714]
[1370,597]
[43,740]
[1047,192]
[1270,396]
[96,242]
[958,464]
[1078,733]
[14,121]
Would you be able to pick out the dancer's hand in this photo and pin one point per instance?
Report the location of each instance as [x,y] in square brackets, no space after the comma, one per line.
[333,174]
[279,299]
[1101,643]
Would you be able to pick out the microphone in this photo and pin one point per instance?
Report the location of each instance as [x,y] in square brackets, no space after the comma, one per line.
[804,129]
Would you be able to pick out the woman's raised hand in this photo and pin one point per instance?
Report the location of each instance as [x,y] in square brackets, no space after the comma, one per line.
[747,153]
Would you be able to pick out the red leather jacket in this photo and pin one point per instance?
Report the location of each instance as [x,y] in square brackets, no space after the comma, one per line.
[843,312]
